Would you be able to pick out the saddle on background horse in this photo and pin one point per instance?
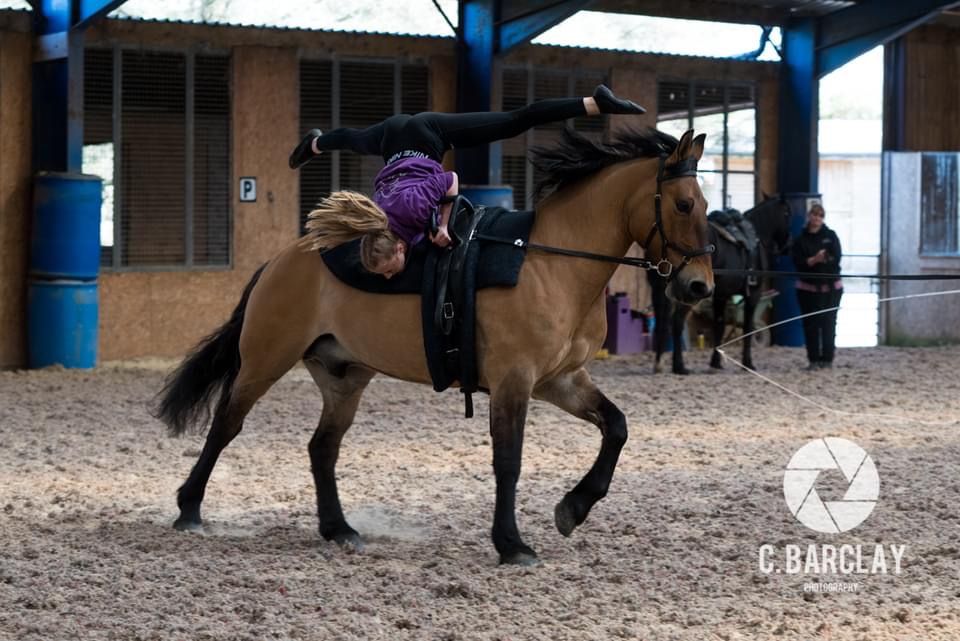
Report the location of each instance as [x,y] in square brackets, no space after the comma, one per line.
[732,226]
[740,232]
[447,280]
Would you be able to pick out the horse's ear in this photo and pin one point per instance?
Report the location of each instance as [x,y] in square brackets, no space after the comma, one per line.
[682,150]
[696,147]
[764,196]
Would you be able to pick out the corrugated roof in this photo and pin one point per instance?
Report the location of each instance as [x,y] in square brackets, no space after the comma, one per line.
[653,53]
[236,25]
[241,25]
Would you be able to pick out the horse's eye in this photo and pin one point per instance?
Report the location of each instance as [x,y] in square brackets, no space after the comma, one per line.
[685,206]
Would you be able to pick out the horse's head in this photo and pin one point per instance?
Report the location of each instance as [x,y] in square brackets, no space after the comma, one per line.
[672,226]
[771,219]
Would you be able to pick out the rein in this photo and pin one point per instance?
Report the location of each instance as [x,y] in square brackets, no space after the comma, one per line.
[664,268]
[808,275]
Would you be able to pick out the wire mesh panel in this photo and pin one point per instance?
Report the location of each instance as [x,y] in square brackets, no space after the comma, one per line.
[521,87]
[414,88]
[152,185]
[172,205]
[366,97]
[368,92]
[316,112]
[211,161]
[514,156]
[583,85]
[98,140]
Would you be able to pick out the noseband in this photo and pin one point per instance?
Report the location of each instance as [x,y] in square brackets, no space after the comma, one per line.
[665,268]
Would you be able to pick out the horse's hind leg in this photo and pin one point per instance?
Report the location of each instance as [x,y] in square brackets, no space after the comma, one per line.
[577,394]
[341,385]
[719,324]
[749,308]
[228,418]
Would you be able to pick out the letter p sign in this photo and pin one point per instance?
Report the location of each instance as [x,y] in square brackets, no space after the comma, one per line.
[248,190]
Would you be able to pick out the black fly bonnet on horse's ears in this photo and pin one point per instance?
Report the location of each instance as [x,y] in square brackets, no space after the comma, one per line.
[686,167]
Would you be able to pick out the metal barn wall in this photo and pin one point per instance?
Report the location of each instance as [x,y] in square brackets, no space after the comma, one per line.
[921,321]
[16,47]
[164,312]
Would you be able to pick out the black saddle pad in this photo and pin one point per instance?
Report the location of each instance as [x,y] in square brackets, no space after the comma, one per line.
[499,263]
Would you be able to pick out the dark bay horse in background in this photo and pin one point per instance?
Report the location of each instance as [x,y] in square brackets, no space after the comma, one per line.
[771,220]
[533,340]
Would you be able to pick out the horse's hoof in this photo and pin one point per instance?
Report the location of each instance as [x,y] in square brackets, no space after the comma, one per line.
[188,525]
[750,367]
[349,541]
[564,518]
[682,372]
[716,365]
[524,558]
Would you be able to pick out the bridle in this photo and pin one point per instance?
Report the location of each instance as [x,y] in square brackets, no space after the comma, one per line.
[664,268]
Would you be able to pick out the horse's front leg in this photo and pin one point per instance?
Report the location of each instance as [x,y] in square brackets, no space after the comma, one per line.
[661,309]
[577,394]
[749,308]
[677,320]
[508,413]
[719,324]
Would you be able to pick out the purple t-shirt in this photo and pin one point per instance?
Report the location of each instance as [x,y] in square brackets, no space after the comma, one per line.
[409,190]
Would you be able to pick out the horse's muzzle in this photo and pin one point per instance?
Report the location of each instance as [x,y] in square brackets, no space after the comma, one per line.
[689,290]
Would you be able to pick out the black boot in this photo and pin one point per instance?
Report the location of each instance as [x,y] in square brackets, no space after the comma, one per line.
[610,104]
[303,153]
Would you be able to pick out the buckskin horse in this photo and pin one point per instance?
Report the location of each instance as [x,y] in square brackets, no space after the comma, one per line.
[533,340]
[771,221]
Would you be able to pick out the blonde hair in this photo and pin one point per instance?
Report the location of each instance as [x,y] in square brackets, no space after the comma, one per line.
[347,215]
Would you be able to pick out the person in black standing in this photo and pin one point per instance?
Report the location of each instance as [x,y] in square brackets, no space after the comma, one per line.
[817,251]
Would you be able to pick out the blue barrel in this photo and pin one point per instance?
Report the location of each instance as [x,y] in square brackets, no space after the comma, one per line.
[62,323]
[65,240]
[785,305]
[489,195]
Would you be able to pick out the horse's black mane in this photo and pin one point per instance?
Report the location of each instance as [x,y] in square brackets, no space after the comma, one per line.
[577,156]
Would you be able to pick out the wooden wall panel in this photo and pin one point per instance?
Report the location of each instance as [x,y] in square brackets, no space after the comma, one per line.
[932,89]
[15,194]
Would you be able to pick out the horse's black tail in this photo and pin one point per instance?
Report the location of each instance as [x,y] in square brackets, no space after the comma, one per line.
[208,371]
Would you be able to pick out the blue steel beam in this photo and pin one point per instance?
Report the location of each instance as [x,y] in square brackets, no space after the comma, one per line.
[848,33]
[524,28]
[87,10]
[52,16]
[799,110]
[475,53]
[482,36]
[58,80]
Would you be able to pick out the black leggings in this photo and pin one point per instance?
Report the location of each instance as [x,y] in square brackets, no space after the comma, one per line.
[820,331]
[433,133]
